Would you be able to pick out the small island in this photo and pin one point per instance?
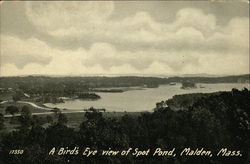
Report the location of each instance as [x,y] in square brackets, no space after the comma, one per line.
[188,85]
[108,90]
[152,85]
[88,96]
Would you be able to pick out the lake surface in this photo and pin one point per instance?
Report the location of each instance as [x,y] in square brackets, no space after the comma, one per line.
[141,100]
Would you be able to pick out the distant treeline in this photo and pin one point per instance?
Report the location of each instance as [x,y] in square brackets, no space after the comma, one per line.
[209,121]
[70,85]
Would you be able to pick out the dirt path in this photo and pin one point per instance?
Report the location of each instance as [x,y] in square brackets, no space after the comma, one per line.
[34,105]
[44,113]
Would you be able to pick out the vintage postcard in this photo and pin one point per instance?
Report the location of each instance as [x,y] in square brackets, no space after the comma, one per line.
[124,82]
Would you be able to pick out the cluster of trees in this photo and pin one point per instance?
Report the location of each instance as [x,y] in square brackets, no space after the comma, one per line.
[88,96]
[70,85]
[188,84]
[25,119]
[213,122]
[65,86]
[18,95]
[48,98]
[1,121]
[12,109]
[184,101]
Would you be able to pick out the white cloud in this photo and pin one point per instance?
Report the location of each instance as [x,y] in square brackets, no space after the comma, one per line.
[52,16]
[103,58]
[192,43]
[192,28]
[20,52]
[190,17]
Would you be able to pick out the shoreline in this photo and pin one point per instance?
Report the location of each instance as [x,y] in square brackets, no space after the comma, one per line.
[44,109]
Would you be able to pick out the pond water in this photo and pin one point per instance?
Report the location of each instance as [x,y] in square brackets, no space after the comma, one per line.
[142,100]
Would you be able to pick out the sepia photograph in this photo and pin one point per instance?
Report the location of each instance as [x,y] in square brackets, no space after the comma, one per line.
[124,82]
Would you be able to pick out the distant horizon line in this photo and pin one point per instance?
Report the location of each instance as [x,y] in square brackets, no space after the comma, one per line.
[133,75]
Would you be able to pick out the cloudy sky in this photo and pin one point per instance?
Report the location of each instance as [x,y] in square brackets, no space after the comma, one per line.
[142,38]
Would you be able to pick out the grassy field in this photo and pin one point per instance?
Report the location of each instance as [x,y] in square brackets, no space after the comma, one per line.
[19,105]
[74,119]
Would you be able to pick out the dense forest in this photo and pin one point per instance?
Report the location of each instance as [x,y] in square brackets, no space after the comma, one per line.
[65,86]
[209,121]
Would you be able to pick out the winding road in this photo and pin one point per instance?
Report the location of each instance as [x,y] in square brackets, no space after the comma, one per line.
[34,105]
[39,107]
[45,113]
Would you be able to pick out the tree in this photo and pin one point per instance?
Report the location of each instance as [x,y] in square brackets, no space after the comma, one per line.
[49,119]
[56,111]
[62,119]
[25,118]
[11,109]
[93,114]
[1,121]
[37,120]
[26,111]
[18,95]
